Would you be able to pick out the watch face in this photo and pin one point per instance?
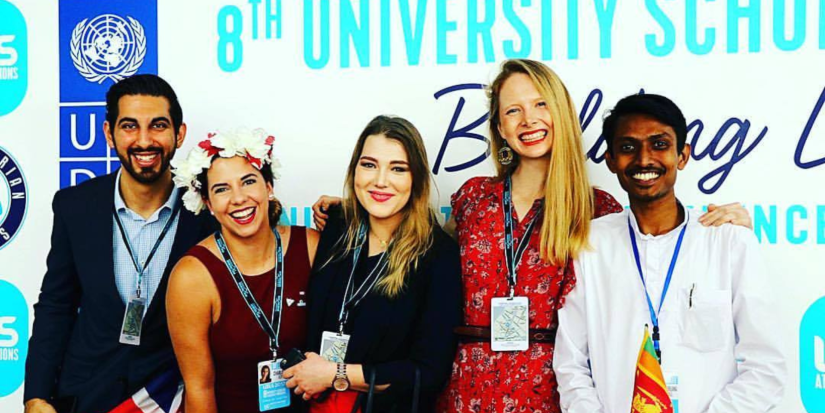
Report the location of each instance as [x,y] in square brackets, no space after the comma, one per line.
[340,383]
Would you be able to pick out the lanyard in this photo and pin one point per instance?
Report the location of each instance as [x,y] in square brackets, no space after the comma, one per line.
[513,257]
[138,267]
[243,288]
[352,295]
[654,315]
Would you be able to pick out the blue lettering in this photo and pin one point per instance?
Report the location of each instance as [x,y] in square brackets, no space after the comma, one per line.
[546,30]
[820,224]
[412,39]
[588,112]
[465,132]
[736,144]
[736,13]
[230,39]
[798,37]
[765,224]
[476,29]
[273,18]
[255,4]
[523,32]
[605,15]
[806,133]
[790,225]
[669,35]
[358,34]
[309,35]
[692,31]
[442,26]
[573,29]
[385,33]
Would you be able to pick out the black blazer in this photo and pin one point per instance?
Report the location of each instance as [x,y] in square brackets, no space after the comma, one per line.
[394,336]
[74,348]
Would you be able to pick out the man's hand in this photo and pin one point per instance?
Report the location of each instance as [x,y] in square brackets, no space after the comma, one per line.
[733,213]
[39,406]
[320,209]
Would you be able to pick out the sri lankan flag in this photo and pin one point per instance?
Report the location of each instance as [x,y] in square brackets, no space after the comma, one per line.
[649,391]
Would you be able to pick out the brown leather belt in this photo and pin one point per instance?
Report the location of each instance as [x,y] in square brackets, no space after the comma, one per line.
[476,334]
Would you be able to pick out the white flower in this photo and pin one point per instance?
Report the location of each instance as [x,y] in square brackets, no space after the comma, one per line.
[192,200]
[274,165]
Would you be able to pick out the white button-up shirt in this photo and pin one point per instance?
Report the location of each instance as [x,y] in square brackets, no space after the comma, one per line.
[718,339]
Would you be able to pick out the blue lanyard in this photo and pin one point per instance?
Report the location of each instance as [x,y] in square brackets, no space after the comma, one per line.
[513,257]
[140,269]
[654,314]
[352,295]
[243,288]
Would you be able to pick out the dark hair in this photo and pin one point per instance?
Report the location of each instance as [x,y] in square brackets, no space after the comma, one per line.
[275,207]
[147,85]
[655,106]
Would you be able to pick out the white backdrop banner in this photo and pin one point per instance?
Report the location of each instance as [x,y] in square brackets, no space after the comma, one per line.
[747,74]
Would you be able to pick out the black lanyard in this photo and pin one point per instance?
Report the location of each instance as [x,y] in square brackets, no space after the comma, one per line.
[352,295]
[511,256]
[246,293]
[138,267]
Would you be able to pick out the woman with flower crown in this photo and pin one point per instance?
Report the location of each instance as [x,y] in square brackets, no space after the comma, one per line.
[236,301]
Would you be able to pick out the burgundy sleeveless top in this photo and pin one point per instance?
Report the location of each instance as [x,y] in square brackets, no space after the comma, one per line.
[238,343]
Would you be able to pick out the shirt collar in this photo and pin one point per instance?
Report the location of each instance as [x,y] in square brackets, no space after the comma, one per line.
[121,208]
[635,225]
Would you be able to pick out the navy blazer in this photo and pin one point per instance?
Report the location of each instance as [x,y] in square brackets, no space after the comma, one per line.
[74,349]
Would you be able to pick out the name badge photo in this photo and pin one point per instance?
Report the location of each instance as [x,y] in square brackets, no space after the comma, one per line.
[272,391]
[509,324]
[133,321]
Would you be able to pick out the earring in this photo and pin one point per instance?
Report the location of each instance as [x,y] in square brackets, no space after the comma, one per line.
[505,155]
[271,196]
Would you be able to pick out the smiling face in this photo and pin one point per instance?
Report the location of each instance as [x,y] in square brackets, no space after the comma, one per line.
[238,196]
[383,181]
[645,158]
[143,136]
[524,118]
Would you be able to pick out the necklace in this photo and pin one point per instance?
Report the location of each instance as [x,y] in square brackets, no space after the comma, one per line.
[384,244]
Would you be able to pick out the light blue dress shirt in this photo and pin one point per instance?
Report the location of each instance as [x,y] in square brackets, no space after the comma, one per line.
[142,234]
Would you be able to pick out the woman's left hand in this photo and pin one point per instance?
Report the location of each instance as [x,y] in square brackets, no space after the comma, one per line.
[733,213]
[311,376]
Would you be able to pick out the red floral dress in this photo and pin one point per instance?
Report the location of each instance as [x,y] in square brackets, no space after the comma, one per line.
[518,381]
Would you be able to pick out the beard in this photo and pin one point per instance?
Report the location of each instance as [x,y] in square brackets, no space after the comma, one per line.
[141,174]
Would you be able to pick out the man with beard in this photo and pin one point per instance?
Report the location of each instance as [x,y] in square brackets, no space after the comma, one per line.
[100,329]
[701,293]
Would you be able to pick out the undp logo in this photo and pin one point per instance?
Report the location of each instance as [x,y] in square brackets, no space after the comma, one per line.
[13,198]
[13,57]
[812,357]
[108,47]
[14,338]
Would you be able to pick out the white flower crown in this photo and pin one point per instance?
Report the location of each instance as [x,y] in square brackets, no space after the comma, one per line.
[254,145]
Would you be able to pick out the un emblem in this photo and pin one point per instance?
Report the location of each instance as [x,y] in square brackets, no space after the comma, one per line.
[108,47]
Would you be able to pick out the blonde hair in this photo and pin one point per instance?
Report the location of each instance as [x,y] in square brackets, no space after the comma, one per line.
[568,197]
[413,237]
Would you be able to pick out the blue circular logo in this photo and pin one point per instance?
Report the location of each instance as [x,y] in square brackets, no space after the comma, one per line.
[14,338]
[14,57]
[13,197]
[812,357]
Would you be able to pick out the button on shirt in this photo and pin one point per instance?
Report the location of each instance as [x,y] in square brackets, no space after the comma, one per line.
[142,234]
[716,323]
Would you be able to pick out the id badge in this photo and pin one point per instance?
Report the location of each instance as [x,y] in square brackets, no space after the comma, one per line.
[133,321]
[672,383]
[272,390]
[334,346]
[509,324]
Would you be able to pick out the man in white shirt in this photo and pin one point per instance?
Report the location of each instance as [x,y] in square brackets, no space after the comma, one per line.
[710,319]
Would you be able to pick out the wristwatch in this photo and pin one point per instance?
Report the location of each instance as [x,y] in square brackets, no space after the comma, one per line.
[341,382]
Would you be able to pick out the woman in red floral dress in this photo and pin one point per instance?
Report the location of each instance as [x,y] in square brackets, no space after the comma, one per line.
[530,114]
